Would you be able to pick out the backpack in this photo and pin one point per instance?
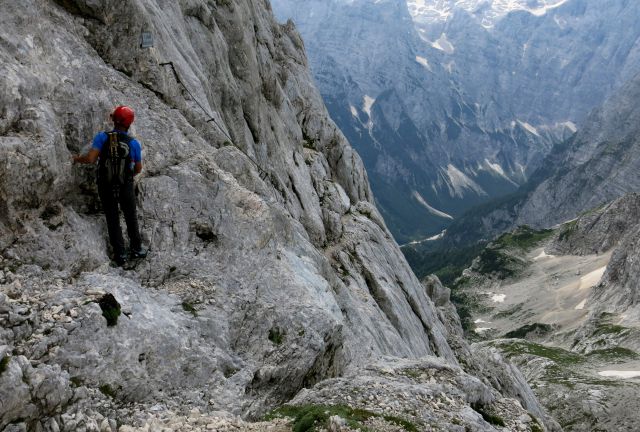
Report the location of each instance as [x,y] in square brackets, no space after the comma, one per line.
[114,167]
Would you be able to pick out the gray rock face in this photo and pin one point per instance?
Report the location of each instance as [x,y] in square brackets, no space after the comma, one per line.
[600,165]
[453,103]
[617,294]
[270,268]
[429,394]
[597,166]
[600,230]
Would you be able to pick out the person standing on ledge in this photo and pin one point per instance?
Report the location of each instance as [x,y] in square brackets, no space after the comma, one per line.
[119,158]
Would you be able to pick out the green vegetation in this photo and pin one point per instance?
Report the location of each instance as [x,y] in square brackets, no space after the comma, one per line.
[464,308]
[498,263]
[617,353]
[593,210]
[76,381]
[313,417]
[535,424]
[604,329]
[523,237]
[110,309]
[188,307]
[568,230]
[107,390]
[308,142]
[499,259]
[487,416]
[276,335]
[446,264]
[466,304]
[412,373]
[4,363]
[537,328]
[557,355]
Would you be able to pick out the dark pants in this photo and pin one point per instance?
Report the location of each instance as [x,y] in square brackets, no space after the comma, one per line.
[124,196]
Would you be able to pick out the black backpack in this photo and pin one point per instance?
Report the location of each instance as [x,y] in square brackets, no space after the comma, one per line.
[114,167]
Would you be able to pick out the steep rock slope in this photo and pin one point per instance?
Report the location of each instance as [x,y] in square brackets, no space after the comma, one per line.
[270,268]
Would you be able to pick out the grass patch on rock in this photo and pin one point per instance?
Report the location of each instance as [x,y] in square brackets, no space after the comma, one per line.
[606,329]
[535,329]
[4,363]
[188,307]
[307,418]
[488,416]
[501,257]
[276,335]
[523,237]
[496,262]
[557,355]
[110,309]
[535,424]
[568,230]
[107,390]
[617,353]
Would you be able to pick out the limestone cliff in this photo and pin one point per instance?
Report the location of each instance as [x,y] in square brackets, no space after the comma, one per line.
[270,269]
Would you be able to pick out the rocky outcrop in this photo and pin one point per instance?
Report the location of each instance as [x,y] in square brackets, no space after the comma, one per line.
[598,230]
[428,394]
[270,269]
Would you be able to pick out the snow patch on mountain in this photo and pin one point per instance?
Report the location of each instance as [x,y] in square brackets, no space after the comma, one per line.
[443,44]
[432,210]
[497,169]
[424,62]
[367,104]
[620,374]
[529,127]
[488,12]
[459,183]
[498,298]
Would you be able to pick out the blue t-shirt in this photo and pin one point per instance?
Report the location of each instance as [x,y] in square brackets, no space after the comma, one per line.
[135,147]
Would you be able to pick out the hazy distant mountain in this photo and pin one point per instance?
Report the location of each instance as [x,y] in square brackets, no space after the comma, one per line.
[599,164]
[451,103]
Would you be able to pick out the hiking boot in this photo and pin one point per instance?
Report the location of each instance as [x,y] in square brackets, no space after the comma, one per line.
[138,254]
[120,260]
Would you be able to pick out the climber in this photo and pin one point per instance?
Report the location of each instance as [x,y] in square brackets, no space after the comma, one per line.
[119,158]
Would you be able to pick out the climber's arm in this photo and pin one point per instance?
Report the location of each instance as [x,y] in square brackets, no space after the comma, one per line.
[88,158]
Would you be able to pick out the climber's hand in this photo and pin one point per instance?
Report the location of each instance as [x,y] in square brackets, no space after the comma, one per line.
[89,158]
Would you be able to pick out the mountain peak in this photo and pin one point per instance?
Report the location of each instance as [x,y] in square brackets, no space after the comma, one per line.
[487,11]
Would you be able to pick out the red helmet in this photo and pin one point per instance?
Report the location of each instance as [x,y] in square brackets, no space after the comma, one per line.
[123,115]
